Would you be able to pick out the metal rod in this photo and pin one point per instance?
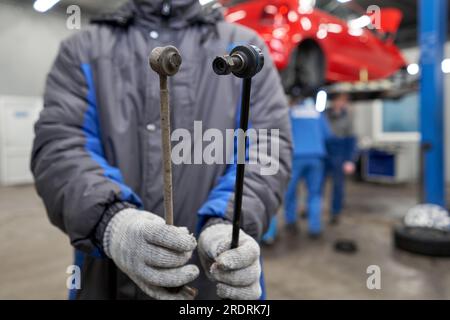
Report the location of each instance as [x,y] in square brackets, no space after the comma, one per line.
[241,158]
[166,150]
[166,61]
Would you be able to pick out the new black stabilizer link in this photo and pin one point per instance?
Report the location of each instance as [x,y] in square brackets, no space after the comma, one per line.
[244,62]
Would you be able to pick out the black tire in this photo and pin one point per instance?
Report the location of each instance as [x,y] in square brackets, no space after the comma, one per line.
[425,241]
[306,70]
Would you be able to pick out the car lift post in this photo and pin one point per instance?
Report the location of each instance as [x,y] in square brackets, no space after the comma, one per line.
[432,37]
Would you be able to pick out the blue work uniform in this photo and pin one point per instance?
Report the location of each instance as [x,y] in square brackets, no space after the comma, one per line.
[341,148]
[310,131]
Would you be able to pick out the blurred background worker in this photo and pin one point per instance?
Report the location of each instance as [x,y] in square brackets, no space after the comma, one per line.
[310,131]
[341,148]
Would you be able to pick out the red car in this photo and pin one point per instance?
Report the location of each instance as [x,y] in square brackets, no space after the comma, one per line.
[317,41]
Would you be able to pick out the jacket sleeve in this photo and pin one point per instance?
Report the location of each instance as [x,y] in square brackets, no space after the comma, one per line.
[327,133]
[351,144]
[265,182]
[72,175]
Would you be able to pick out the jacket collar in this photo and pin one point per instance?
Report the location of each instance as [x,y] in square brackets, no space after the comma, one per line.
[174,14]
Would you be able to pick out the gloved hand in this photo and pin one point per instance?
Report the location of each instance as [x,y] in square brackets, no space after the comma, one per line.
[237,271]
[151,253]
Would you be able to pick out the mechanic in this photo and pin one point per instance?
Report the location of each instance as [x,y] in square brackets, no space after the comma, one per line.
[310,131]
[341,147]
[97,156]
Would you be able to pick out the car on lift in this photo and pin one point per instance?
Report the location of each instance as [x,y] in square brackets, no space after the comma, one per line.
[318,42]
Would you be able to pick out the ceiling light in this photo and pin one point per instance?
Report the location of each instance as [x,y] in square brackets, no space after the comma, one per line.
[321,101]
[446,66]
[203,2]
[236,16]
[44,5]
[413,69]
[360,22]
[306,23]
[306,6]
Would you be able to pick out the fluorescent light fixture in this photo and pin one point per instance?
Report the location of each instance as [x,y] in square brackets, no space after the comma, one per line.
[355,32]
[343,1]
[279,32]
[271,9]
[203,2]
[44,5]
[446,66]
[360,22]
[292,16]
[321,101]
[306,6]
[334,28]
[236,16]
[322,32]
[306,23]
[413,69]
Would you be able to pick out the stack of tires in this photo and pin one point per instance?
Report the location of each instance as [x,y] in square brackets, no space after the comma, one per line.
[425,230]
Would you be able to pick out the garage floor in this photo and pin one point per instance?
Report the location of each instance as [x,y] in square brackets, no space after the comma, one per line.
[34,255]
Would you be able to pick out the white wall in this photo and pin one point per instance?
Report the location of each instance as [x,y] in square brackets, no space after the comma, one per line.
[364,113]
[28,44]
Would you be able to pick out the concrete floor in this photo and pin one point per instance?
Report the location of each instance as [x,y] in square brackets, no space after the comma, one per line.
[34,255]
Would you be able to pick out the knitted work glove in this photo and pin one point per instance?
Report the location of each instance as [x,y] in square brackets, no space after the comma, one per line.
[151,253]
[237,271]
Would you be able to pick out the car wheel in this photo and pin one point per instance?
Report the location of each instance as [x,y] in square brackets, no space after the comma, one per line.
[306,70]
[425,241]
